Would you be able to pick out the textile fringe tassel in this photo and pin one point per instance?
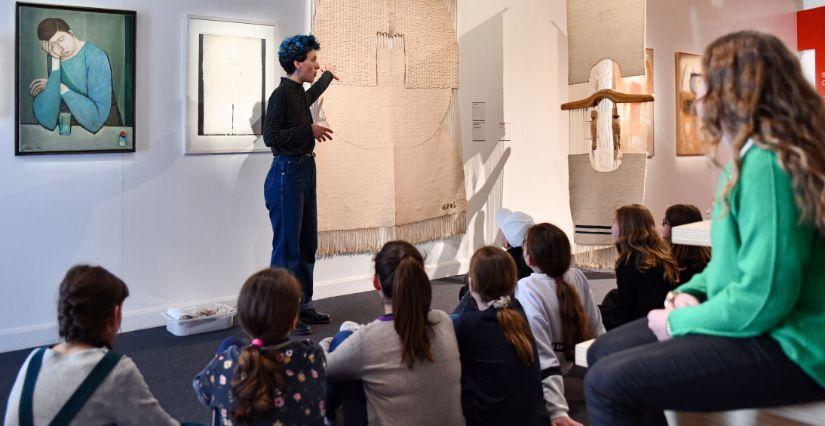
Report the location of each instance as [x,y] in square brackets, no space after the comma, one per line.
[389,41]
[602,258]
[370,240]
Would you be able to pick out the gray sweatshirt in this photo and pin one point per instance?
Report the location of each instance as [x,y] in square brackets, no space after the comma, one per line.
[123,398]
[430,393]
[537,295]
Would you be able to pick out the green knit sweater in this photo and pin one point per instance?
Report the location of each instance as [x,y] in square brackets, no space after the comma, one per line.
[767,269]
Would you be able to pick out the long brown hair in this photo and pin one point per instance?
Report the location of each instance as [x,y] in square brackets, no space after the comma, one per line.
[88,296]
[686,256]
[638,237]
[756,89]
[400,270]
[493,274]
[267,308]
[549,250]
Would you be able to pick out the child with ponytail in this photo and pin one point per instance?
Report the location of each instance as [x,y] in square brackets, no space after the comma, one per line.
[500,375]
[272,380]
[559,308]
[407,359]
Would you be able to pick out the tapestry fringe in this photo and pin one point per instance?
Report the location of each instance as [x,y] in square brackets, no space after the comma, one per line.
[601,258]
[389,41]
[370,240]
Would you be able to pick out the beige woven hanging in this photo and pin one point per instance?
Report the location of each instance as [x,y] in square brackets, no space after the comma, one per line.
[603,175]
[393,169]
[599,29]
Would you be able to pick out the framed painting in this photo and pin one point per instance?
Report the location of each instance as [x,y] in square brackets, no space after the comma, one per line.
[231,71]
[688,137]
[636,119]
[74,80]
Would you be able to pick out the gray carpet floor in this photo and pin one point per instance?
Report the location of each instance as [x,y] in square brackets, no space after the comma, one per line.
[169,363]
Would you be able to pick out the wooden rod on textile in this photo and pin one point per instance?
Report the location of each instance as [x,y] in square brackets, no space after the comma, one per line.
[617,97]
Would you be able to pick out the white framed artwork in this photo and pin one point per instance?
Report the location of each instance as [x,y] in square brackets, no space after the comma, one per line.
[230,72]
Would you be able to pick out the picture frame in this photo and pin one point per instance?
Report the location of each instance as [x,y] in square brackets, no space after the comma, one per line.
[637,123]
[75,77]
[688,136]
[231,70]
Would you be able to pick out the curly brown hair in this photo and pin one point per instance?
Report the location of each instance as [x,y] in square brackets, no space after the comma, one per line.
[639,240]
[756,90]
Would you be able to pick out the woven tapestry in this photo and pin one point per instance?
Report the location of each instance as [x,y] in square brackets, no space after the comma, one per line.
[393,169]
[594,198]
[599,29]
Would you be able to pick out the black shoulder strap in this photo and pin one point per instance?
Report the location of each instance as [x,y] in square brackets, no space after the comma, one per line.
[550,371]
[26,413]
[86,389]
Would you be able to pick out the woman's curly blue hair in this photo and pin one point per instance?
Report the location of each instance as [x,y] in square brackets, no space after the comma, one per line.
[295,48]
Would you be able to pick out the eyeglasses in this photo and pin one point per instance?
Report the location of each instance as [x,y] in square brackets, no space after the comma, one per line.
[697,82]
[665,223]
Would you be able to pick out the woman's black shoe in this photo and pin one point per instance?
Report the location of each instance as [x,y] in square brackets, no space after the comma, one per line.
[311,316]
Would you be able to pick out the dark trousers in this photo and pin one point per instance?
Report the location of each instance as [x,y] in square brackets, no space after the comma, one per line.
[632,377]
[348,394]
[289,192]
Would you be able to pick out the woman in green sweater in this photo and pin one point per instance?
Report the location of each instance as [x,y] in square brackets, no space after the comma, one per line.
[749,331]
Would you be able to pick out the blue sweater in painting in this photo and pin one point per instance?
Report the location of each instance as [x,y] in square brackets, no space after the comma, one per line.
[88,78]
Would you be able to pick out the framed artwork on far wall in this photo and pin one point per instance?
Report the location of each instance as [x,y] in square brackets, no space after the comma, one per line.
[74,80]
[231,71]
[636,119]
[688,136]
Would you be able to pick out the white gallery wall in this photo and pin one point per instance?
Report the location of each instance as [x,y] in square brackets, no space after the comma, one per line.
[185,229]
[689,26]
[535,177]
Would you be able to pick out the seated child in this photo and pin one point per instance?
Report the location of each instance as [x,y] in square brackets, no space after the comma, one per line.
[645,269]
[691,259]
[50,385]
[272,380]
[559,308]
[513,226]
[500,375]
[407,359]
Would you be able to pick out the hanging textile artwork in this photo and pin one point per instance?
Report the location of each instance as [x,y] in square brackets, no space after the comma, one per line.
[393,169]
[594,198]
[609,144]
[599,29]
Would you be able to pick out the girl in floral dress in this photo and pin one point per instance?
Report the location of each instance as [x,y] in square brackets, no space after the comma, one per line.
[271,381]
